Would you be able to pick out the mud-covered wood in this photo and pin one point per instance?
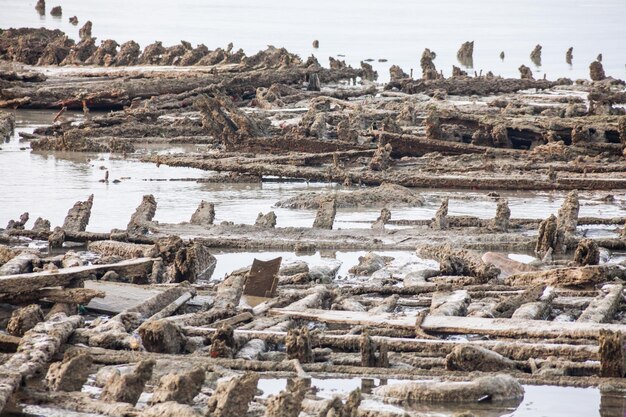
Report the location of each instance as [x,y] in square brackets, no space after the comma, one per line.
[24,283]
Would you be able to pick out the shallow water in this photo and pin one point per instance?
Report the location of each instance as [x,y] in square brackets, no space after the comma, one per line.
[397,31]
[539,401]
[230,261]
[48,184]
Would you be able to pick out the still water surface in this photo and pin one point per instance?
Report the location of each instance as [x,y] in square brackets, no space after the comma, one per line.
[396,30]
[48,184]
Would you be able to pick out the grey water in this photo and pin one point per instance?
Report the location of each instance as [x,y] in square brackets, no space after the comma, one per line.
[47,184]
[356,30]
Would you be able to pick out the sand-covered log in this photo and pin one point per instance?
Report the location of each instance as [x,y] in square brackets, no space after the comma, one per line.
[181,387]
[233,397]
[604,306]
[497,388]
[25,283]
[454,261]
[564,277]
[450,304]
[36,349]
[470,358]
[19,264]
[125,250]
[69,374]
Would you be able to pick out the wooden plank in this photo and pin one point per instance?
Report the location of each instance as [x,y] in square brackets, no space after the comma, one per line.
[457,325]
[119,296]
[22,283]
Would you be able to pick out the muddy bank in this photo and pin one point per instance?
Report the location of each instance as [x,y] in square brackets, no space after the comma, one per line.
[379,197]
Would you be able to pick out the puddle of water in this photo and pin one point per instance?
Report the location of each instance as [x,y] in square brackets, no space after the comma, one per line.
[538,401]
[404,260]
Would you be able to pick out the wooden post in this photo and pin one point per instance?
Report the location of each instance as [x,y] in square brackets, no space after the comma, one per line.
[611,354]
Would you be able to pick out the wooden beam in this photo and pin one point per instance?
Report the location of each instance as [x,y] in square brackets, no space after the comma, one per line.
[457,325]
[24,283]
[35,350]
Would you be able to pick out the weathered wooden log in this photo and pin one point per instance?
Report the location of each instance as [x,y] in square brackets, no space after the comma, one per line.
[164,334]
[124,249]
[450,304]
[506,265]
[230,290]
[251,349]
[462,325]
[411,145]
[25,283]
[565,277]
[604,306]
[117,90]
[113,357]
[82,236]
[54,295]
[536,310]
[35,350]
[506,308]
[19,264]
[470,358]
[171,308]
[405,178]
[519,351]
[497,388]
[453,261]
[313,300]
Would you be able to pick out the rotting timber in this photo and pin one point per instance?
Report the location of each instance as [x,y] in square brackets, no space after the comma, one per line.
[199,347]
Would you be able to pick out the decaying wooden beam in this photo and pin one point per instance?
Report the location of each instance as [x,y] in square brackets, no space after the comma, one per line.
[24,283]
[564,277]
[36,348]
[458,325]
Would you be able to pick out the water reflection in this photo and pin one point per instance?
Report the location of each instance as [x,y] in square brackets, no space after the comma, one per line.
[612,403]
[538,401]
